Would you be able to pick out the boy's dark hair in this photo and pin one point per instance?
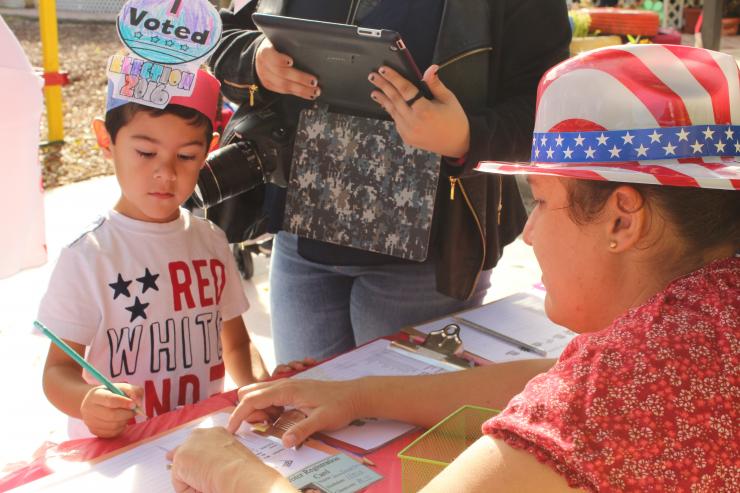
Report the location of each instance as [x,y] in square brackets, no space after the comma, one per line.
[119,117]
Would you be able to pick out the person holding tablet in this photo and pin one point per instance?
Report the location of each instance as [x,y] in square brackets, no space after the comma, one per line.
[481,60]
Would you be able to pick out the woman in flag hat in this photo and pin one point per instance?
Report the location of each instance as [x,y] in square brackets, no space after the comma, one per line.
[635,173]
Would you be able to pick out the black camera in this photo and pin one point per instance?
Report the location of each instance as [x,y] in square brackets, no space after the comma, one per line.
[256,150]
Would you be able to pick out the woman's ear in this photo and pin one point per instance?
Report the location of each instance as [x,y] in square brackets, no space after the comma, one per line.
[627,219]
[103,137]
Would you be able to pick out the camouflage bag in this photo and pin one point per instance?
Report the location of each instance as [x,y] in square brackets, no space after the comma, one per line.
[353,182]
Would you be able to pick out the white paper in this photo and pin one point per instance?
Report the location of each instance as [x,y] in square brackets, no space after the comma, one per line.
[521,317]
[374,359]
[144,468]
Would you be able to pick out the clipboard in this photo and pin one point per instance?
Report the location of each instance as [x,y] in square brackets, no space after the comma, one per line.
[443,346]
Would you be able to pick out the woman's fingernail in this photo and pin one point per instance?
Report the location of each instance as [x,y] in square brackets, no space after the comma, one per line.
[289,62]
[314,82]
[382,71]
[371,77]
[289,440]
[374,97]
[317,93]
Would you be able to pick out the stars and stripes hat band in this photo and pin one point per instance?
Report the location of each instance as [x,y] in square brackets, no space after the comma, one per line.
[654,114]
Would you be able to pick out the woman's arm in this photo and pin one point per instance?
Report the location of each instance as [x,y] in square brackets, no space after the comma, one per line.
[497,467]
[422,400]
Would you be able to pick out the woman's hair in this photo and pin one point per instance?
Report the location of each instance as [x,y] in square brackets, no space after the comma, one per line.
[705,218]
[118,118]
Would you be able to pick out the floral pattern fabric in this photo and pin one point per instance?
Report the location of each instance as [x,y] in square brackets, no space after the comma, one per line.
[651,403]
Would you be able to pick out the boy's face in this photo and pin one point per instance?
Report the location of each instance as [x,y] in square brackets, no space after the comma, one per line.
[157,160]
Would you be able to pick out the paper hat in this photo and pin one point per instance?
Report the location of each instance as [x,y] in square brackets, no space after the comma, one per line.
[203,99]
[654,114]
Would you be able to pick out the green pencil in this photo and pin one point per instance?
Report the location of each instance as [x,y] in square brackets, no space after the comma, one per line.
[81,361]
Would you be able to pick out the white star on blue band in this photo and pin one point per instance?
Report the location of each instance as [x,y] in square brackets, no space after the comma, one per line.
[696,141]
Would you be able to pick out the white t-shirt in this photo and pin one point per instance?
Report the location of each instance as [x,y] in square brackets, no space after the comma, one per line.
[148,301]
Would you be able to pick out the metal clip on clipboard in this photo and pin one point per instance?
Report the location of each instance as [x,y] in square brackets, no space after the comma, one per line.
[442,345]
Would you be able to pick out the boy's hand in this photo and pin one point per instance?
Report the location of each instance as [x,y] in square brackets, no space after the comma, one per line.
[294,366]
[107,414]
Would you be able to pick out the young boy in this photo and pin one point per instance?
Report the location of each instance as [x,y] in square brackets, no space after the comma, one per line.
[149,294]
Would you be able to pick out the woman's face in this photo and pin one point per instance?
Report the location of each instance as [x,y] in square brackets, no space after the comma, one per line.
[574,261]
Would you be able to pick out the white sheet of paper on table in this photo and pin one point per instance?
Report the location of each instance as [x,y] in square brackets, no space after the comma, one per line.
[144,468]
[520,316]
[373,359]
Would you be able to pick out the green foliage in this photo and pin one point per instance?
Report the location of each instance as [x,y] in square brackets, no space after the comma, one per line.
[581,22]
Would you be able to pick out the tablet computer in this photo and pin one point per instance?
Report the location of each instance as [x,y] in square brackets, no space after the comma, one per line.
[341,56]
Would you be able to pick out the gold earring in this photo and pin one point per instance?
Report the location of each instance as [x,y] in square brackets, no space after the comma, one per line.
[613,244]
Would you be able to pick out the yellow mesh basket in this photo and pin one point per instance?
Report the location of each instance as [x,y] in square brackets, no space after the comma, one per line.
[426,456]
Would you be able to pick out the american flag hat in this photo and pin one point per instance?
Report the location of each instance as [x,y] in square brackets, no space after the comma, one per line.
[653,114]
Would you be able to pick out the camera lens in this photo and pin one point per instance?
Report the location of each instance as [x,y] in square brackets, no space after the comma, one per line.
[229,171]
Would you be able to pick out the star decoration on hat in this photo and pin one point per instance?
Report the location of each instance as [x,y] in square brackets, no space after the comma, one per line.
[148,281]
[647,144]
[137,309]
[120,287]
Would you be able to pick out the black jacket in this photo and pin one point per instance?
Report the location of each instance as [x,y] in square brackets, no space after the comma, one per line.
[492,54]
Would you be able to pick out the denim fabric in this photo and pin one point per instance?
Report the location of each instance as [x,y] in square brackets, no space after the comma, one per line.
[323,310]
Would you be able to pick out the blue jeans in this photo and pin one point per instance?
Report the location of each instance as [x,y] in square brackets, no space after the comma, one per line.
[323,310]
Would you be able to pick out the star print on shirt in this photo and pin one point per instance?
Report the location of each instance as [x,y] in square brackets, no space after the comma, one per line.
[137,310]
[149,280]
[120,287]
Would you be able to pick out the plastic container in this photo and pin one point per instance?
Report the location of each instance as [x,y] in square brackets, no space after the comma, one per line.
[429,454]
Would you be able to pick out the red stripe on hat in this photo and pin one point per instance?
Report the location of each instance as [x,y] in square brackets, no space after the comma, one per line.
[665,176]
[721,170]
[710,75]
[631,72]
[565,173]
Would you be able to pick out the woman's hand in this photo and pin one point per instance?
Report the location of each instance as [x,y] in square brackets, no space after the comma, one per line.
[294,366]
[438,125]
[327,405]
[276,73]
[213,460]
[106,414]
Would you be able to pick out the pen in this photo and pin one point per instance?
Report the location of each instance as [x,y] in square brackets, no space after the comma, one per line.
[81,361]
[522,345]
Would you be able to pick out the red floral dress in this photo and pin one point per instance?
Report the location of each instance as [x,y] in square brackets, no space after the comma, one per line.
[651,403]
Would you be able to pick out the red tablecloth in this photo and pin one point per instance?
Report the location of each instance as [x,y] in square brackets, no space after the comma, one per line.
[386,460]
[387,463]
